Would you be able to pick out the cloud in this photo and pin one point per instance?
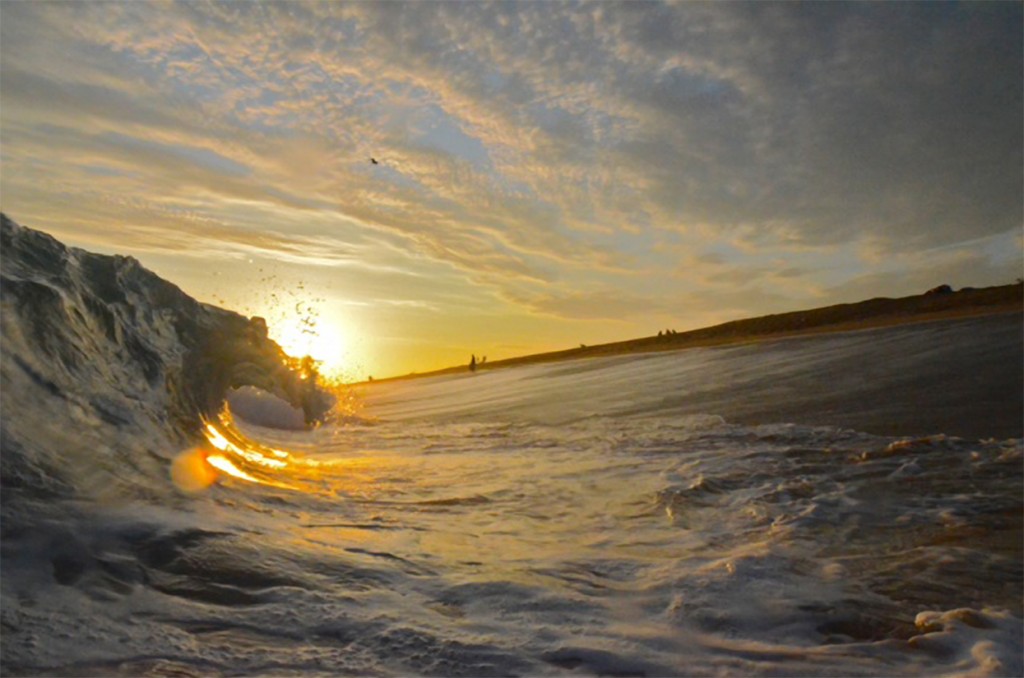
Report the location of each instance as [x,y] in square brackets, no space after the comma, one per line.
[958,267]
[549,154]
[592,305]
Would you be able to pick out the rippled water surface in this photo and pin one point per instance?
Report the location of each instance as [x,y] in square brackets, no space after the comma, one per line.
[568,519]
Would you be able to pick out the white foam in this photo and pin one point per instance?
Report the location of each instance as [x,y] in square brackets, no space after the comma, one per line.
[972,642]
[265,409]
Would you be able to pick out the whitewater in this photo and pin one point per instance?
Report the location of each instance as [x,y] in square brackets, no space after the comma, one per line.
[846,505]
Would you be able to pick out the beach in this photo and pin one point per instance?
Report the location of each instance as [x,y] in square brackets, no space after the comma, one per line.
[951,363]
[868,314]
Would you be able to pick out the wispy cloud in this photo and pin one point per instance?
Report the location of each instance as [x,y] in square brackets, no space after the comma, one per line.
[553,155]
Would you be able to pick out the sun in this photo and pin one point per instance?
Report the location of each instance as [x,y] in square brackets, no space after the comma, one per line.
[322,338]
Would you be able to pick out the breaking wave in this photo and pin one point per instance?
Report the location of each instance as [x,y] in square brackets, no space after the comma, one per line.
[109,371]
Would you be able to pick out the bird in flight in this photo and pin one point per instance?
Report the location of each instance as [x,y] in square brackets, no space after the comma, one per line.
[374,161]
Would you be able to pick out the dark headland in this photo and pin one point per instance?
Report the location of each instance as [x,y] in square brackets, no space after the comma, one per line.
[935,305]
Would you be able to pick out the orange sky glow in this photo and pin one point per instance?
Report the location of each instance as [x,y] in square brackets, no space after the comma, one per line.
[547,174]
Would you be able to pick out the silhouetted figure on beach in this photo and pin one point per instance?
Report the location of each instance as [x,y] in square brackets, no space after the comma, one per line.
[472,364]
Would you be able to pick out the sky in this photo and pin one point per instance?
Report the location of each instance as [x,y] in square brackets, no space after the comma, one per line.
[548,173]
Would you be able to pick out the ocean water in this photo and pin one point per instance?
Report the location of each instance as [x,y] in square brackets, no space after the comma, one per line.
[826,506]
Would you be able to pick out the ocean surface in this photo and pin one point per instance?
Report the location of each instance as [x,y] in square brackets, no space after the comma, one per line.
[843,505]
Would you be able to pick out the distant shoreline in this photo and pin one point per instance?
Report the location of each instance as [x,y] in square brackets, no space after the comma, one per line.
[863,315]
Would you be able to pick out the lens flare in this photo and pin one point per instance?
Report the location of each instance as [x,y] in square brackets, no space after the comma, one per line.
[190,471]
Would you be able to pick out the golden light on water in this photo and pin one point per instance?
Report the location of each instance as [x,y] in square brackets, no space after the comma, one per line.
[224,464]
[218,440]
[227,452]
